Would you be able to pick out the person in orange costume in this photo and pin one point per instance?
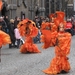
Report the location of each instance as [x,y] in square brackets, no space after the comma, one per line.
[54,29]
[46,34]
[4,38]
[57,18]
[28,30]
[60,63]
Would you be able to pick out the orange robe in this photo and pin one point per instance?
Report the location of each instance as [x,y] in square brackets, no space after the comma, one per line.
[49,33]
[53,34]
[46,34]
[53,38]
[4,38]
[62,49]
[32,31]
[29,46]
[46,38]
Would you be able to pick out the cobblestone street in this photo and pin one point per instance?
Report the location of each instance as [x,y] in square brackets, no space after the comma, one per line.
[15,63]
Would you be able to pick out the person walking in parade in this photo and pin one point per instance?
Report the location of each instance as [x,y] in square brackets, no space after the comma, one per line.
[60,63]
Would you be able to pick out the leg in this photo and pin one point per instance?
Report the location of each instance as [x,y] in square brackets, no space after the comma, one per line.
[18,43]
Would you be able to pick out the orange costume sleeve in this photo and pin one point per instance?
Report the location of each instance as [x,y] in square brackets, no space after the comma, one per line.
[4,38]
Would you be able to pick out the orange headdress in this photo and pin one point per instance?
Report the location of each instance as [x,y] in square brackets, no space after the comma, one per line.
[27,28]
[51,15]
[21,26]
[57,21]
[60,18]
[63,24]
[60,15]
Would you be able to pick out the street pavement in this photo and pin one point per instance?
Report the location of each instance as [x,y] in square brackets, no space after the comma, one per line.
[15,63]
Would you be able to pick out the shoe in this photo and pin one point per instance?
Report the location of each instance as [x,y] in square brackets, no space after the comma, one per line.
[63,72]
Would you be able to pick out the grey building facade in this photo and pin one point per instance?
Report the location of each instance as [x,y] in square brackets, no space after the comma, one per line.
[31,8]
[23,8]
[14,8]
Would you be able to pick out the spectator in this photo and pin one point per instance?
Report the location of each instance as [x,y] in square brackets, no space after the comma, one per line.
[6,19]
[69,26]
[17,20]
[3,23]
[37,38]
[18,37]
[11,33]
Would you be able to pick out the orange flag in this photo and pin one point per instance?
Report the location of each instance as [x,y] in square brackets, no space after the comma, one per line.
[1,3]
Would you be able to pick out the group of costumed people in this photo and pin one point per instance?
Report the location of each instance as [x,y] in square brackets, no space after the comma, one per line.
[53,34]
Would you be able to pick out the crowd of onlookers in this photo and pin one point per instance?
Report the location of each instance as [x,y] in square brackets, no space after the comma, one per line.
[10,27]
[70,26]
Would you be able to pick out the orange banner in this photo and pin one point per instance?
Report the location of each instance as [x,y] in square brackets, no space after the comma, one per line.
[1,3]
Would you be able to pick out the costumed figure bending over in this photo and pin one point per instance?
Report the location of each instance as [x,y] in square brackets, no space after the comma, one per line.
[28,29]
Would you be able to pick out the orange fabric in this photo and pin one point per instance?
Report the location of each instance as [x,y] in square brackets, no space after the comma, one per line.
[4,38]
[57,65]
[62,49]
[64,44]
[46,38]
[29,30]
[45,25]
[22,28]
[53,38]
[57,21]
[28,46]
[49,32]
[46,34]
[60,18]
[54,30]
[34,32]
[1,3]
[54,27]
[51,15]
[60,15]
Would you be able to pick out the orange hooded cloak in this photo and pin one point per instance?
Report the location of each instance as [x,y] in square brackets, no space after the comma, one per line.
[28,29]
